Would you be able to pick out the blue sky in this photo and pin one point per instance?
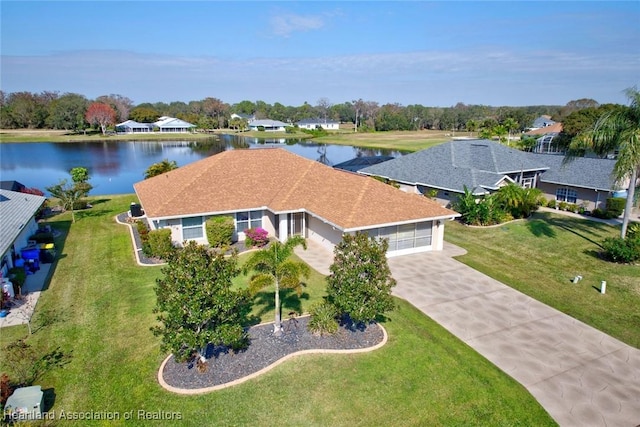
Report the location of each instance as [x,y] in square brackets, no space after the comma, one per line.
[431,53]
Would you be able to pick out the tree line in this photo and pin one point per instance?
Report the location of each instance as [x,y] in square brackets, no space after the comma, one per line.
[75,112]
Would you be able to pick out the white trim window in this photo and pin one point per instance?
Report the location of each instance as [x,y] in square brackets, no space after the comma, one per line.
[192,228]
[564,194]
[245,220]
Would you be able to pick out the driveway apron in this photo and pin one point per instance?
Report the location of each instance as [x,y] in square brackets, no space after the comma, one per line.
[581,376]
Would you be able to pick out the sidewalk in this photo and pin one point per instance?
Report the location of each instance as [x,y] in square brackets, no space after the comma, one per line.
[22,310]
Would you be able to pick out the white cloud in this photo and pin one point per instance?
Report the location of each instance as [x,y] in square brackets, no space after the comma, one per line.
[285,24]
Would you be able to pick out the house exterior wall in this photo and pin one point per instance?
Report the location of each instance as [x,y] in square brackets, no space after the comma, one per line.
[588,198]
[323,233]
[20,242]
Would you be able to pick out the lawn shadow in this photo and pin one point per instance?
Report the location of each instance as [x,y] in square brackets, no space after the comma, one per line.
[290,301]
[49,397]
[539,228]
[583,228]
[89,213]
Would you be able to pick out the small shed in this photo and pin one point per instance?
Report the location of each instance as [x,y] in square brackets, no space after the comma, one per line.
[25,403]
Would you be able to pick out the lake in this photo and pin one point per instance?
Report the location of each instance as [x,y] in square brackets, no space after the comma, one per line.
[115,166]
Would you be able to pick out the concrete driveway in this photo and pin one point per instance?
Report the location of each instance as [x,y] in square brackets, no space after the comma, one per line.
[581,376]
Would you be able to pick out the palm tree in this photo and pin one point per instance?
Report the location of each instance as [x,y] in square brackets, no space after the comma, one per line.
[472,126]
[501,132]
[273,267]
[619,130]
[511,125]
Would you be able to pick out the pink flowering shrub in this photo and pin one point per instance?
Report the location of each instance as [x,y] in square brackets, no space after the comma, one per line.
[256,237]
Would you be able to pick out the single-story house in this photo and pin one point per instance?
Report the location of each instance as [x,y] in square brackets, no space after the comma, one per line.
[545,138]
[12,186]
[17,223]
[484,166]
[316,123]
[247,117]
[131,126]
[542,122]
[585,181]
[268,125]
[287,194]
[172,125]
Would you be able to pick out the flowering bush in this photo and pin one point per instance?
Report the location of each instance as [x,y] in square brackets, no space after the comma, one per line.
[256,237]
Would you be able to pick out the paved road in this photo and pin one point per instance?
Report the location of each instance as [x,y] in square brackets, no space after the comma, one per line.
[581,376]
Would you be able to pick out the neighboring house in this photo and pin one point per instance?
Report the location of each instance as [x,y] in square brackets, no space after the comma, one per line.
[542,122]
[172,125]
[131,126]
[355,164]
[12,186]
[247,117]
[17,224]
[316,123]
[287,194]
[545,138]
[481,165]
[268,125]
[484,166]
[585,181]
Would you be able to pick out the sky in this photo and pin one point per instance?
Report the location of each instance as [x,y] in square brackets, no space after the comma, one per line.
[500,53]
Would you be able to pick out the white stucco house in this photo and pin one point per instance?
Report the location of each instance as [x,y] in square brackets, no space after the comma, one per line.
[316,123]
[287,194]
[17,223]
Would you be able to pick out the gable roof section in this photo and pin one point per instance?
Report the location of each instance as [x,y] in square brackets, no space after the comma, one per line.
[171,122]
[281,181]
[357,163]
[316,121]
[452,165]
[585,172]
[554,128]
[16,209]
[268,123]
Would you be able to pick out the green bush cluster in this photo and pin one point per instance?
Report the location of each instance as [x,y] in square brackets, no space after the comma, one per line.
[220,230]
[159,243]
[617,249]
[615,206]
[511,201]
[323,319]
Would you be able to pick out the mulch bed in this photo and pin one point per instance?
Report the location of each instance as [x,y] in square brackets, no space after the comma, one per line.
[224,366]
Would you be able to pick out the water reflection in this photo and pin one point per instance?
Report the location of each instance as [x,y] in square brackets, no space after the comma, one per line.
[115,166]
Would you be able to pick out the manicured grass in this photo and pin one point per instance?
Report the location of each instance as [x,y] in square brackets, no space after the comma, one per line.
[423,376]
[540,256]
[392,140]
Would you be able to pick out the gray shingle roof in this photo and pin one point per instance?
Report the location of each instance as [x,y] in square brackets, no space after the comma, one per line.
[456,164]
[585,172]
[16,209]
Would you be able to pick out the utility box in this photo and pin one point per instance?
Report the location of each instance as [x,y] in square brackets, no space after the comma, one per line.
[25,403]
[136,210]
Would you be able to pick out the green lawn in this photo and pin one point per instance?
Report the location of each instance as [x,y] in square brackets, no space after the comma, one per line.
[423,376]
[540,256]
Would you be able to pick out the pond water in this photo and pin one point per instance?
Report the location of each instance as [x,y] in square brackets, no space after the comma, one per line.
[115,166]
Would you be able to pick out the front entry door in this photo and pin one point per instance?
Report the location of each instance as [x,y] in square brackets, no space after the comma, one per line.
[296,224]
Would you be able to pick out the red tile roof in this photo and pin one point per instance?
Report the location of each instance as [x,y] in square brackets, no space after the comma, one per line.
[281,182]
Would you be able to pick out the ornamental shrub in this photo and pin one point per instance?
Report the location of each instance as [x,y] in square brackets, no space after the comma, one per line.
[617,249]
[323,319]
[220,230]
[256,237]
[615,206]
[160,244]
